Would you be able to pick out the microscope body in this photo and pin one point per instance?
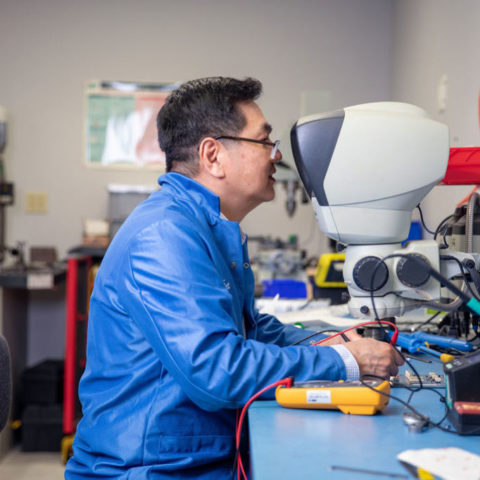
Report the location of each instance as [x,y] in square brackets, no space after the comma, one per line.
[365,168]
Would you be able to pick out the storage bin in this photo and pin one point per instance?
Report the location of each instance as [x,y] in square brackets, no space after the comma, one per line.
[42,428]
[285,287]
[43,383]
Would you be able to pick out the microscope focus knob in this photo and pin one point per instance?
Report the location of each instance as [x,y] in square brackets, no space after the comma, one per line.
[370,273]
[413,270]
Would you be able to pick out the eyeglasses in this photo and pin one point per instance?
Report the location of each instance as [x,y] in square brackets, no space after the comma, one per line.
[274,144]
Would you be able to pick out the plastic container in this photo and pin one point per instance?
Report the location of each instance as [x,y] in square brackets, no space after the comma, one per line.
[285,287]
[42,428]
[43,383]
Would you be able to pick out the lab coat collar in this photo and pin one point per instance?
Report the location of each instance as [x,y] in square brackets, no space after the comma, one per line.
[184,185]
[202,195]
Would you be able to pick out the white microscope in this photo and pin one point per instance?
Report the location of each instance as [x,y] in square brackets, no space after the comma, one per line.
[365,169]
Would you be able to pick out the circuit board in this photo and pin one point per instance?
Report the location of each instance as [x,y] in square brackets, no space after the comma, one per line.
[409,379]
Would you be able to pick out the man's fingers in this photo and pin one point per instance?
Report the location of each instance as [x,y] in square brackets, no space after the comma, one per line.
[375,358]
[353,336]
[398,358]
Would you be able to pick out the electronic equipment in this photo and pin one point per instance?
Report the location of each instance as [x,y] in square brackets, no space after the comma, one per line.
[328,279]
[365,168]
[462,381]
[352,397]
[421,342]
[329,271]
[409,380]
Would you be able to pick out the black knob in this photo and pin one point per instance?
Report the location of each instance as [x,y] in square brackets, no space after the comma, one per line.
[469,263]
[370,273]
[345,297]
[413,270]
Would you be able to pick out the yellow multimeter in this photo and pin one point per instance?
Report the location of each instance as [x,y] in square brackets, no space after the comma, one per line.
[348,396]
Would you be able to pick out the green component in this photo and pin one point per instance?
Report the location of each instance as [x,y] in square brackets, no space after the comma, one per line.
[474,305]
[300,325]
[448,398]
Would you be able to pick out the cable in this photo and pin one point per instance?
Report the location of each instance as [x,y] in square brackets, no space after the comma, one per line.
[420,384]
[473,338]
[370,322]
[435,315]
[423,222]
[443,225]
[467,198]
[407,404]
[474,275]
[238,464]
[412,392]
[320,332]
[444,238]
[462,271]
[471,302]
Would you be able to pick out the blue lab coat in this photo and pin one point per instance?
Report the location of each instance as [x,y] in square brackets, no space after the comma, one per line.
[175,344]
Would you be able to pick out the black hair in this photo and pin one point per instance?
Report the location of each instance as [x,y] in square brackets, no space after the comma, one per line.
[198,109]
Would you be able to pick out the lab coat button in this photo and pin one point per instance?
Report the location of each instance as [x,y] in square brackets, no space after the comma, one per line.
[246,265]
[233,264]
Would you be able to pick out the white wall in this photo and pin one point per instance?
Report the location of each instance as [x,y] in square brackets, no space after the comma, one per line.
[431,39]
[49,48]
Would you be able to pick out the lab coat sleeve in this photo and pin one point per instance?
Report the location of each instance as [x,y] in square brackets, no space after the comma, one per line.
[271,330]
[171,288]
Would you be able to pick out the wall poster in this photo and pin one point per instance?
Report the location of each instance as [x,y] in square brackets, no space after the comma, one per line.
[120,124]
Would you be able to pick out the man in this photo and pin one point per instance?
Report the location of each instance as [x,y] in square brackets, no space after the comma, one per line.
[175,344]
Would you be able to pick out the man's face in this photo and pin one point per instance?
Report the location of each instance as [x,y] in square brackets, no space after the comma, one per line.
[250,169]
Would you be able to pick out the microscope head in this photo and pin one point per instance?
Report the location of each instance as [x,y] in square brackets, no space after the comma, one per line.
[366,168]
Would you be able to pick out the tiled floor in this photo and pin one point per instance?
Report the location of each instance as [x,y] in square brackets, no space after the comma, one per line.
[18,465]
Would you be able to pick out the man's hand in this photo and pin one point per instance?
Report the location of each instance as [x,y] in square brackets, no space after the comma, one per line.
[374,357]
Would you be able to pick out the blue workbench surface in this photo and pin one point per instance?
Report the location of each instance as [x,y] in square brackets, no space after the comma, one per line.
[290,443]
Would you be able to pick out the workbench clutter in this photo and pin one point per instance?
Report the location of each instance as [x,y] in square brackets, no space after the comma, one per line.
[96,233]
[446,463]
[306,433]
[327,281]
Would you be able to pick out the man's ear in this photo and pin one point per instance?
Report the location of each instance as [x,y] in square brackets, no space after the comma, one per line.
[211,157]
